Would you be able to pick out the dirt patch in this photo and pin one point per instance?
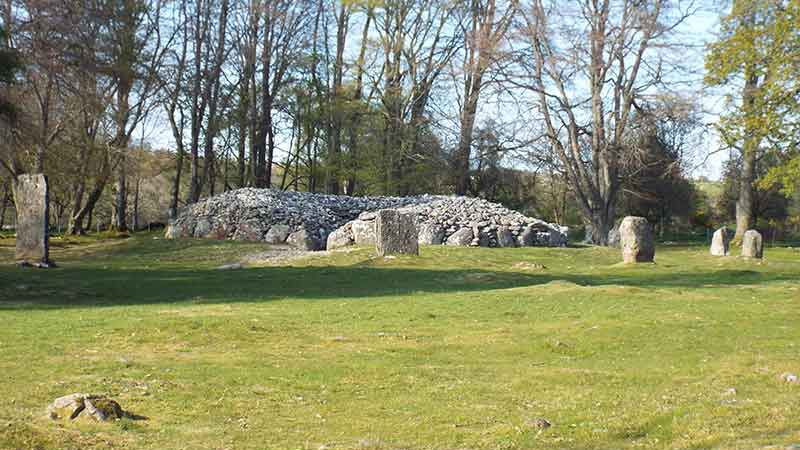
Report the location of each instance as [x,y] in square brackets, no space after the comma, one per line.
[525,265]
[279,255]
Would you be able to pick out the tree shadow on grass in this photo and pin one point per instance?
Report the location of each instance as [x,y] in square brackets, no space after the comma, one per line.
[93,286]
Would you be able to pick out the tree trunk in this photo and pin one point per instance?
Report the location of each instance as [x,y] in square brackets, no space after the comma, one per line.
[335,148]
[136,205]
[3,205]
[744,204]
[121,201]
[176,185]
[94,196]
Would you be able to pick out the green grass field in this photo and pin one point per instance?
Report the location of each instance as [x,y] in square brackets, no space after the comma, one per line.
[457,349]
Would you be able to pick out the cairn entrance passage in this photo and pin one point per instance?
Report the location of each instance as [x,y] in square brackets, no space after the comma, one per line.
[318,222]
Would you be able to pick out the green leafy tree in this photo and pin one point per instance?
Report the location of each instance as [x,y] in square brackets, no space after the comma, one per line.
[757,56]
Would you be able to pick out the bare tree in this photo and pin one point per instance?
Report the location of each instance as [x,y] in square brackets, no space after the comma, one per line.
[587,63]
[483,34]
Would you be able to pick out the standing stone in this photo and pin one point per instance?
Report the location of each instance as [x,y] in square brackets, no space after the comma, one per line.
[528,237]
[396,233]
[636,239]
[721,242]
[557,239]
[614,238]
[752,244]
[505,238]
[32,202]
[341,237]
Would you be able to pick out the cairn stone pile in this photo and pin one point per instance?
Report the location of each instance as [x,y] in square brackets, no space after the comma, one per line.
[317,221]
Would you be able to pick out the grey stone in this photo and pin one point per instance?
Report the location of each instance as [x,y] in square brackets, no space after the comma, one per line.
[636,239]
[538,423]
[431,234]
[32,200]
[84,406]
[752,244]
[249,231]
[721,242]
[528,237]
[396,233]
[505,238]
[233,266]
[557,239]
[483,238]
[614,237]
[304,240]
[462,237]
[339,238]
[202,228]
[363,232]
[277,234]
[588,238]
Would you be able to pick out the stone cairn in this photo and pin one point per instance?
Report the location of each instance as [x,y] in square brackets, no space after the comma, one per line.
[721,242]
[752,245]
[396,233]
[33,237]
[636,239]
[316,221]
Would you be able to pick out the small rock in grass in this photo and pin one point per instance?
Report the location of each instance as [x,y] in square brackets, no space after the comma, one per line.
[95,407]
[538,423]
[730,391]
[234,266]
[789,377]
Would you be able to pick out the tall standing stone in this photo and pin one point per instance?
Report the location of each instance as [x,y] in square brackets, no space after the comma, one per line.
[752,244]
[636,239]
[396,233]
[32,202]
[721,242]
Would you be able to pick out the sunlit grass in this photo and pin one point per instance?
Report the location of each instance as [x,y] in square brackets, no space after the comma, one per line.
[456,349]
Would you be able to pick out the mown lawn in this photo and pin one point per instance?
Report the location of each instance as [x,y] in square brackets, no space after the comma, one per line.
[456,349]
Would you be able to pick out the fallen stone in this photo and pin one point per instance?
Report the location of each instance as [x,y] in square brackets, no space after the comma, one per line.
[721,242]
[396,233]
[277,234]
[462,237]
[752,245]
[636,239]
